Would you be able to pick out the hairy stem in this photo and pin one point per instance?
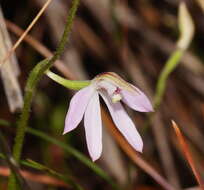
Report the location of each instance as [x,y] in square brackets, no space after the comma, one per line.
[34,77]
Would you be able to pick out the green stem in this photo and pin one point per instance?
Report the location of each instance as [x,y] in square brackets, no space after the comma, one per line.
[71,84]
[166,71]
[34,78]
[32,81]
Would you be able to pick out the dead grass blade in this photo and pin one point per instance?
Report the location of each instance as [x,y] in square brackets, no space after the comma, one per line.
[9,53]
[4,171]
[187,154]
[10,70]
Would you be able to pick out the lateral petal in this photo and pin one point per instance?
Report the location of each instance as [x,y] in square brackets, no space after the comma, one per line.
[93,127]
[123,123]
[77,108]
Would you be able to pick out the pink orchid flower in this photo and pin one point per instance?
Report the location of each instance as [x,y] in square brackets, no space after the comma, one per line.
[112,89]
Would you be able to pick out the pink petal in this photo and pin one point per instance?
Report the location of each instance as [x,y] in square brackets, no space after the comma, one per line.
[77,108]
[136,100]
[93,127]
[123,122]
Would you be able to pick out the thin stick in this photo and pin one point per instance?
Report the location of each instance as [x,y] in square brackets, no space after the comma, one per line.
[187,154]
[25,33]
[41,49]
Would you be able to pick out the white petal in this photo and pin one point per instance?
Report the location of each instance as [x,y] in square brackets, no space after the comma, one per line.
[136,100]
[77,108]
[123,122]
[93,127]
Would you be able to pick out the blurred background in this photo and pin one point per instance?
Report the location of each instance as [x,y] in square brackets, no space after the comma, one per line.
[129,37]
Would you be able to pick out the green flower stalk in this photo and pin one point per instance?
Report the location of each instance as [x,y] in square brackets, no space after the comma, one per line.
[71,84]
[186,27]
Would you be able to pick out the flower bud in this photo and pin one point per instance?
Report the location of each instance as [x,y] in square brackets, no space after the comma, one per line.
[186,27]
